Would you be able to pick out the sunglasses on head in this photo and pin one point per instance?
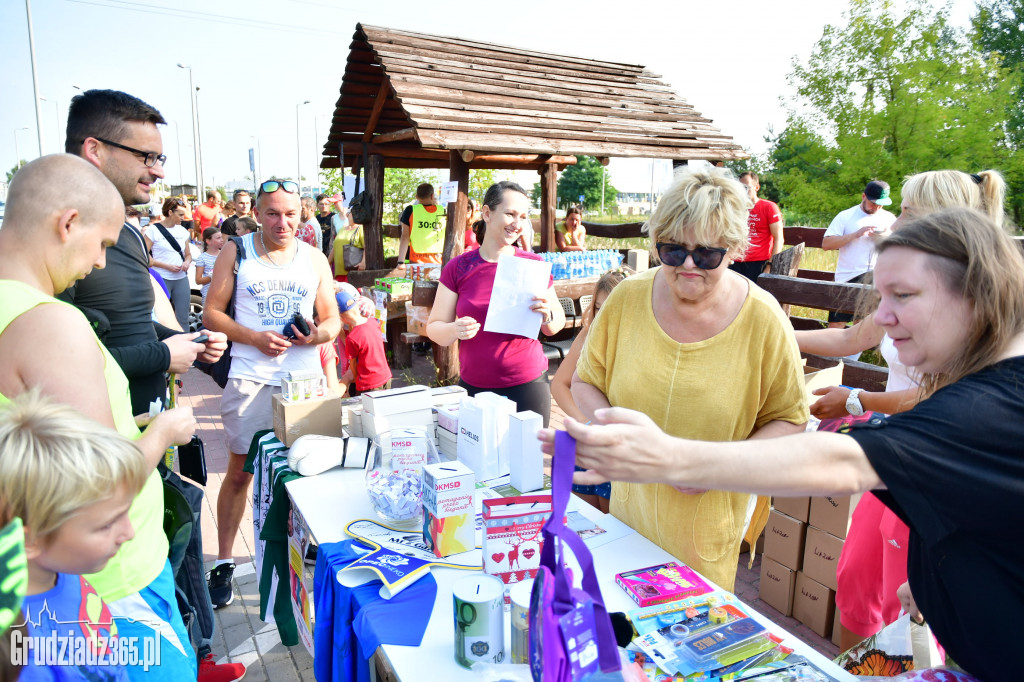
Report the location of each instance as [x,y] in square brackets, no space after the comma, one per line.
[271,186]
[704,257]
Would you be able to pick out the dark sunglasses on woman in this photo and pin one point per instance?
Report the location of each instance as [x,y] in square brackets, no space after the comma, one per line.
[704,257]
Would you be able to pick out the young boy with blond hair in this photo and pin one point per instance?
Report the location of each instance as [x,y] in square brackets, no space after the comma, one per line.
[71,482]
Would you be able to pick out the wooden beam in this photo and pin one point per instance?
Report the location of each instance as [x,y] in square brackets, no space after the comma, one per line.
[378,106]
[405,151]
[619,231]
[548,199]
[810,236]
[527,158]
[840,297]
[446,358]
[605,160]
[467,155]
[396,136]
[373,237]
[483,141]
[855,373]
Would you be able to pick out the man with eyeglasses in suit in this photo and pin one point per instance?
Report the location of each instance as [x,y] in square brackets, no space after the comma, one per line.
[118,134]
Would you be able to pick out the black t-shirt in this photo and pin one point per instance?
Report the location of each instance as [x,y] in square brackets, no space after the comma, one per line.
[122,293]
[228,228]
[327,230]
[406,217]
[954,469]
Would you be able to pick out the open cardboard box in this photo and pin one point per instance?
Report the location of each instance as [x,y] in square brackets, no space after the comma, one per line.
[815,378]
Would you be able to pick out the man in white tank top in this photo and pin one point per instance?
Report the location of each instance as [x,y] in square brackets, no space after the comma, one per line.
[278,277]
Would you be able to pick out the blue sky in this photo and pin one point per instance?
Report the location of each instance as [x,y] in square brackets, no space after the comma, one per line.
[255,60]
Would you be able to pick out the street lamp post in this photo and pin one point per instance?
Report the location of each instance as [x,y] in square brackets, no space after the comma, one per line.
[35,78]
[195,141]
[199,141]
[298,149]
[259,162]
[17,150]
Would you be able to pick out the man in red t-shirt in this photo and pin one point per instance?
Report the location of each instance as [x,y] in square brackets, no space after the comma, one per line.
[765,225]
[209,213]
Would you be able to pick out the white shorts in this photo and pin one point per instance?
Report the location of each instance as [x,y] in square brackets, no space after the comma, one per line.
[246,407]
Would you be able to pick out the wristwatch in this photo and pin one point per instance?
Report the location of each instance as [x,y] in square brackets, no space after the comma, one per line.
[853,405]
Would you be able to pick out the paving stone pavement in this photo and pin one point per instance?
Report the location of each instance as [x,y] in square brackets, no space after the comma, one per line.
[241,637]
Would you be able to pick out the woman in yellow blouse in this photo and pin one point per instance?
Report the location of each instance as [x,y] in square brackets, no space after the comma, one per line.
[570,235]
[704,353]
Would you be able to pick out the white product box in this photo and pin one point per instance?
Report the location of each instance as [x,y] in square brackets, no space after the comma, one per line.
[374,424]
[355,421]
[447,395]
[526,461]
[448,417]
[395,400]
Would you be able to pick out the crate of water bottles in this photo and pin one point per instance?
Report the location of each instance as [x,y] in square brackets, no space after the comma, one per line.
[580,264]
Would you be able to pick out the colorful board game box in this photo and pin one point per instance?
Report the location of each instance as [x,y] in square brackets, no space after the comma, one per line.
[662,583]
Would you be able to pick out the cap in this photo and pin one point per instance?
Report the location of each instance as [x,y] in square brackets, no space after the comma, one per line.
[337,199]
[346,301]
[877,192]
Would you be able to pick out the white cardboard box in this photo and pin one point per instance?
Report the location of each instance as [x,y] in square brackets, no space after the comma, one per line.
[447,395]
[374,424]
[448,417]
[526,461]
[396,400]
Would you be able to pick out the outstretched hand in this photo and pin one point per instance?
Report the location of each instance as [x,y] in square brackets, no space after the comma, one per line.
[620,445]
[832,404]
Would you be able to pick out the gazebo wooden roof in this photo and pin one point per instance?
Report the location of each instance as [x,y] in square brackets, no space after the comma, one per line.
[412,100]
[414,97]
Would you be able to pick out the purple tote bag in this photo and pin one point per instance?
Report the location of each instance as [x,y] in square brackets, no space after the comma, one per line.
[561,614]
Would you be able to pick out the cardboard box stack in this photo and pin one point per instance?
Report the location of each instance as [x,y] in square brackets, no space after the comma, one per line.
[416,318]
[409,406]
[446,416]
[803,540]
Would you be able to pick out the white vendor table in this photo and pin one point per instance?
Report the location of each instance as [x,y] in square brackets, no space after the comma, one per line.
[333,499]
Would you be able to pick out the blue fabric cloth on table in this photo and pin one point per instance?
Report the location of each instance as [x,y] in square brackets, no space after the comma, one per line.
[352,622]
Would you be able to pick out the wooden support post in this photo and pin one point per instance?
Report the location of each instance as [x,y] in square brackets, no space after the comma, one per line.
[447,359]
[372,232]
[455,228]
[548,199]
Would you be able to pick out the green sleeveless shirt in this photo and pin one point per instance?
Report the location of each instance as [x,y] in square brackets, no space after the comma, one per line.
[140,560]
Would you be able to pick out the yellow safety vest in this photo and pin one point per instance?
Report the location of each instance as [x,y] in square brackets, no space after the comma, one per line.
[426,235]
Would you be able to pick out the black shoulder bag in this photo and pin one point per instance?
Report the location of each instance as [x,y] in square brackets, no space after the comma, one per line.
[171,240]
[219,370]
[362,202]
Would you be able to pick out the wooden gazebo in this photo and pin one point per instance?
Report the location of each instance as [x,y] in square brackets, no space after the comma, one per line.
[426,101]
[413,100]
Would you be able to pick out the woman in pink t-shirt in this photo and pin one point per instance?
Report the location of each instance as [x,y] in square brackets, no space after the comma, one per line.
[506,364]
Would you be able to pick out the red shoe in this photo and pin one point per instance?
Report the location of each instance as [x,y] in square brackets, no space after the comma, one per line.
[225,672]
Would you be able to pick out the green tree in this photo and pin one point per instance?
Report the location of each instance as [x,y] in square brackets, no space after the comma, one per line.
[14,169]
[887,95]
[584,179]
[998,26]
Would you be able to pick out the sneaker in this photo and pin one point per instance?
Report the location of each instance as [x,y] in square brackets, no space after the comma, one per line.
[225,672]
[219,583]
